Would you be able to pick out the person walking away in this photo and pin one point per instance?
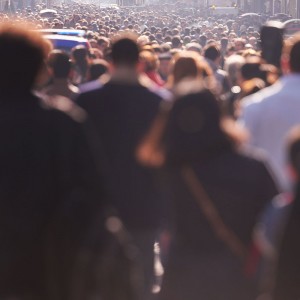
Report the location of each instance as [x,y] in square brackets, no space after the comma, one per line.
[288,268]
[60,66]
[52,188]
[269,114]
[216,192]
[122,111]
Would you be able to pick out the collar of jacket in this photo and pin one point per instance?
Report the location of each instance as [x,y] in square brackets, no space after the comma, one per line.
[125,76]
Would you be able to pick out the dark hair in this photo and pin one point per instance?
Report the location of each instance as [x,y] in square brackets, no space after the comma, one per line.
[80,55]
[212,52]
[98,68]
[176,41]
[60,64]
[252,70]
[194,129]
[125,51]
[202,40]
[21,57]
[224,42]
[294,55]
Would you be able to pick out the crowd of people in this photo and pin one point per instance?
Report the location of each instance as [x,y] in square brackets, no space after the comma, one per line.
[171,129]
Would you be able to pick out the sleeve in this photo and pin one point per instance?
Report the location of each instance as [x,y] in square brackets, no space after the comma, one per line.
[83,196]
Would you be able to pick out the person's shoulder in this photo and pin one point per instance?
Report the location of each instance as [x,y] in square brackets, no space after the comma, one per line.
[145,94]
[256,160]
[157,94]
[262,97]
[62,109]
[247,161]
[153,89]
[252,154]
[89,95]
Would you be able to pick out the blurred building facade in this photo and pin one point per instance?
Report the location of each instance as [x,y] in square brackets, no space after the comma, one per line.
[290,7]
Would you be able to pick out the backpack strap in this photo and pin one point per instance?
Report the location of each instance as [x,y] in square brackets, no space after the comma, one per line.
[219,227]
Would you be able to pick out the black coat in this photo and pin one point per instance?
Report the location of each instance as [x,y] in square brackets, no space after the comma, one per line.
[122,114]
[47,175]
[288,270]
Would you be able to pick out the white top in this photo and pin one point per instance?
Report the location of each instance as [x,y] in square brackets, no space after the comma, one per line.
[269,115]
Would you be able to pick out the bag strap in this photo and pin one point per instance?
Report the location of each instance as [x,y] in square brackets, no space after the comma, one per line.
[221,230]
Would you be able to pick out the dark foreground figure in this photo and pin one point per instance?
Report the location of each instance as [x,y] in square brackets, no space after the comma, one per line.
[122,111]
[53,238]
[288,271]
[202,161]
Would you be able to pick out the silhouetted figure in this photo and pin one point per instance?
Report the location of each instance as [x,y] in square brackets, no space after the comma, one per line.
[52,195]
[288,270]
[122,111]
[60,66]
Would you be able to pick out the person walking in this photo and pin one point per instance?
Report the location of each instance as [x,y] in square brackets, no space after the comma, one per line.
[216,192]
[270,113]
[122,111]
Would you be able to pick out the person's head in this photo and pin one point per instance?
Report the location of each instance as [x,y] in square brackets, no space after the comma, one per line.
[253,41]
[102,43]
[59,64]
[143,40]
[186,40]
[291,53]
[250,52]
[252,69]
[22,53]
[164,65]
[212,52]
[98,68]
[194,47]
[125,51]
[194,130]
[149,61]
[176,42]
[224,43]
[202,40]
[233,66]
[80,54]
[239,44]
[80,58]
[187,65]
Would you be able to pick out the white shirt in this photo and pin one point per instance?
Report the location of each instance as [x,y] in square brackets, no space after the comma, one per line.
[269,115]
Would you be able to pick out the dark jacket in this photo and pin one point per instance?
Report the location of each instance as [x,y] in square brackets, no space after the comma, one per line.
[288,270]
[47,171]
[122,113]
